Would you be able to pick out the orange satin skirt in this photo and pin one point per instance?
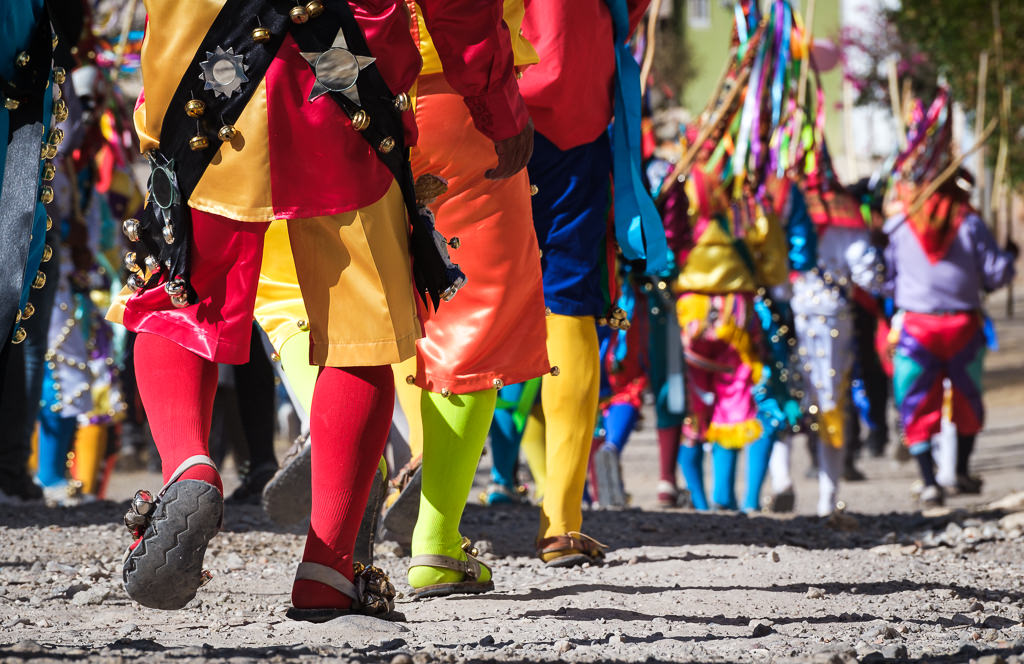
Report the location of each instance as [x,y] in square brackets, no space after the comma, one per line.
[493,332]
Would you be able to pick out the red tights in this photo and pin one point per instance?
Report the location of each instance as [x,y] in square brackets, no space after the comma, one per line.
[349,424]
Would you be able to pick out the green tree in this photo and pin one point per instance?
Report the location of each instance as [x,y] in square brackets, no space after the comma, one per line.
[938,37]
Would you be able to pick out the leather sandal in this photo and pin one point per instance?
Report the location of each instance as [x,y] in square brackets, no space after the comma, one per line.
[471,567]
[370,590]
[163,568]
[573,548]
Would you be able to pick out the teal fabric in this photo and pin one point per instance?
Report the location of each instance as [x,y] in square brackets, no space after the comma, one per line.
[638,227]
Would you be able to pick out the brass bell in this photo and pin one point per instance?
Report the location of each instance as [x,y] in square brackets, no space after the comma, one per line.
[360,120]
[59,75]
[299,14]
[445,392]
[49,151]
[261,35]
[22,59]
[227,133]
[152,264]
[198,142]
[135,282]
[386,145]
[129,262]
[555,371]
[498,383]
[47,253]
[46,194]
[29,311]
[39,281]
[143,502]
[195,108]
[302,325]
[55,41]
[402,102]
[314,8]
[275,357]
[180,301]
[455,243]
[49,171]
[49,222]
[130,227]
[409,380]
[533,190]
[56,136]
[19,335]
[11,104]
[168,234]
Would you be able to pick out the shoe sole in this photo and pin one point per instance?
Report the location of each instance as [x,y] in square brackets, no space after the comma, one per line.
[399,520]
[782,503]
[367,535]
[287,497]
[609,479]
[448,589]
[165,569]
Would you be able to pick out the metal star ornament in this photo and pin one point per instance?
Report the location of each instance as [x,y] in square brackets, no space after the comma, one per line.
[224,72]
[337,69]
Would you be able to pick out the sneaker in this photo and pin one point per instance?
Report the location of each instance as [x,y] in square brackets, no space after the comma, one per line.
[781,502]
[931,497]
[968,484]
[668,494]
[611,492]
[287,495]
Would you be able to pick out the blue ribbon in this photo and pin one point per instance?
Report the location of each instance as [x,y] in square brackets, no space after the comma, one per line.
[638,227]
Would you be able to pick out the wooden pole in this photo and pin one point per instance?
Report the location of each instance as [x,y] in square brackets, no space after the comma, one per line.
[652,25]
[979,122]
[896,103]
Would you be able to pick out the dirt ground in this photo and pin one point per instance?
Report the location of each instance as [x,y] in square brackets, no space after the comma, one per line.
[946,586]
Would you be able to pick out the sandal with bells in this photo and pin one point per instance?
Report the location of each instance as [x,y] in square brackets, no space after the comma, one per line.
[471,567]
[163,568]
[573,548]
[370,590]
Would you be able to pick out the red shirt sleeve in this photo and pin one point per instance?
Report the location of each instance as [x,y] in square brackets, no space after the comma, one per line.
[476,53]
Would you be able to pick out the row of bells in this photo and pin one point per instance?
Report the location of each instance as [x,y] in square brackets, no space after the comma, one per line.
[196,108]
[21,61]
[49,171]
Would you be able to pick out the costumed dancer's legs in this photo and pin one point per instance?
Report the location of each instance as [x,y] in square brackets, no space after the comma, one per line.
[570,408]
[505,435]
[490,334]
[825,349]
[534,449]
[570,211]
[734,422]
[669,423]
[931,348]
[56,431]
[456,429]
[349,424]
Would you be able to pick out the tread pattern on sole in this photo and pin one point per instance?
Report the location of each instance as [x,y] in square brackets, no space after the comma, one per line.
[165,568]
[287,498]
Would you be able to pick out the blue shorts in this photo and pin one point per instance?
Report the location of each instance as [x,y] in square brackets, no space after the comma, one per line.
[570,215]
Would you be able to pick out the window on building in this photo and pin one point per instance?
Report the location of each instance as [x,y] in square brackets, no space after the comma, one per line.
[698,14]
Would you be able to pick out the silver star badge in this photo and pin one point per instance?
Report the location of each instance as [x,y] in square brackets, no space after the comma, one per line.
[337,69]
[223,71]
